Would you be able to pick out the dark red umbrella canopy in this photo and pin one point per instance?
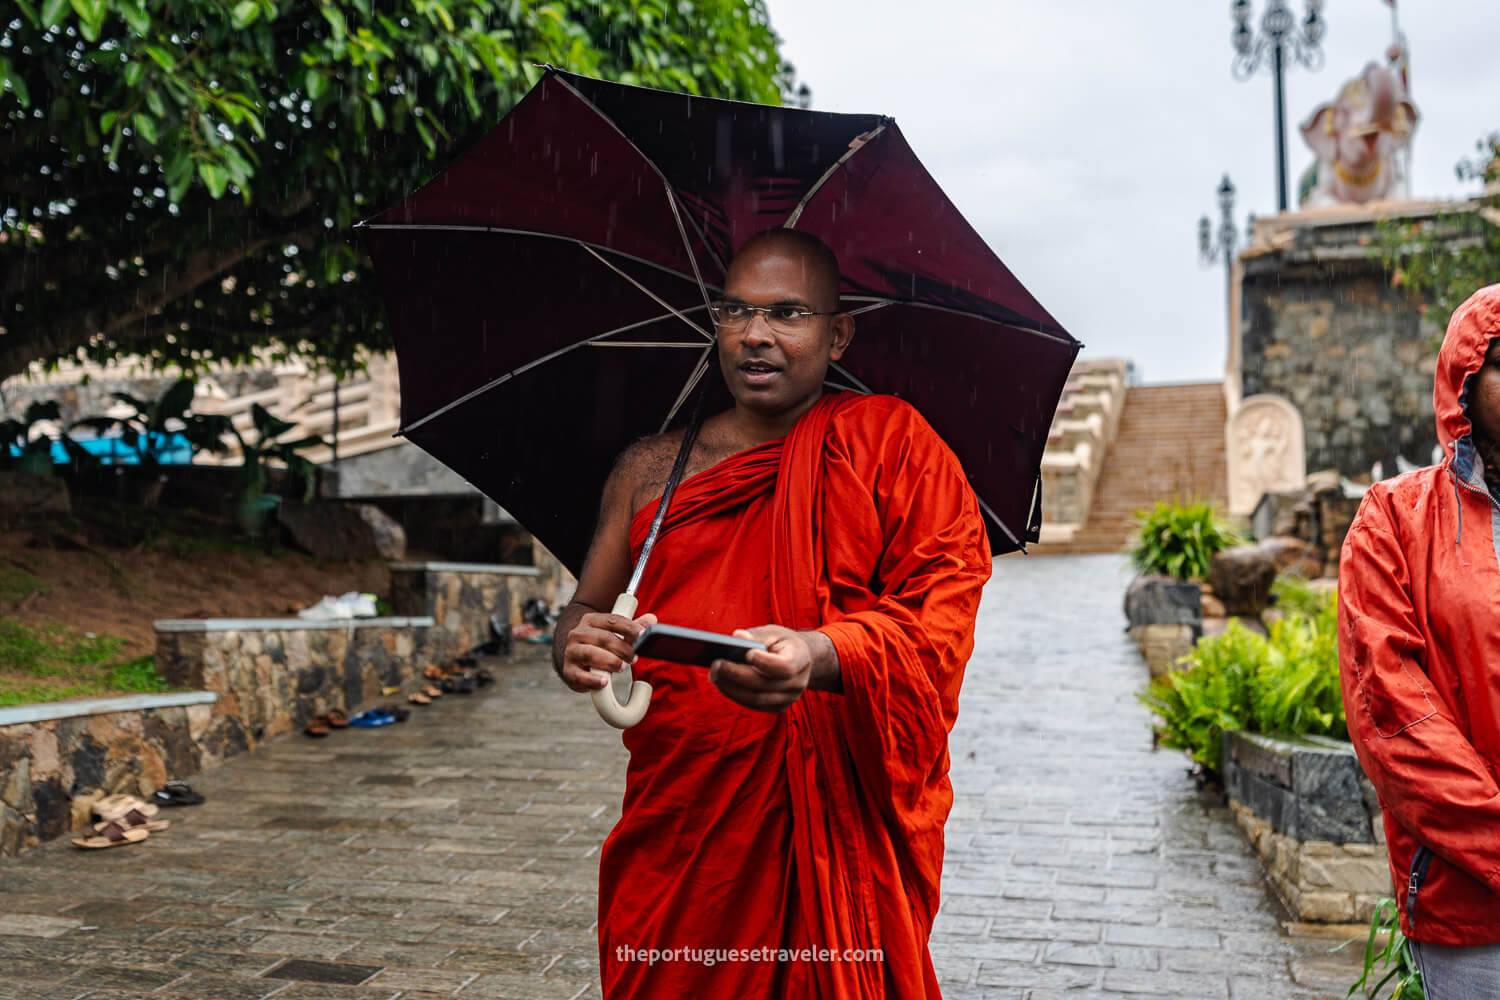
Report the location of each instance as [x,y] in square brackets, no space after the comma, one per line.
[547,293]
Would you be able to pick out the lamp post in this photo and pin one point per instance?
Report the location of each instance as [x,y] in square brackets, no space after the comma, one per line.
[1210,249]
[1280,40]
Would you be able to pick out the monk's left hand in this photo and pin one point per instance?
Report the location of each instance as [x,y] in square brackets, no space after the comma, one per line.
[773,680]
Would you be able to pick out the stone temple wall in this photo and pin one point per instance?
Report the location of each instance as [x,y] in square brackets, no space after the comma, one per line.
[1322,326]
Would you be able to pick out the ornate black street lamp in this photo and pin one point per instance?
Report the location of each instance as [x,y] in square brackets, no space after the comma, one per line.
[1280,40]
[1211,249]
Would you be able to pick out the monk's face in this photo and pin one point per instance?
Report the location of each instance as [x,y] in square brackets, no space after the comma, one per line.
[1484,397]
[775,371]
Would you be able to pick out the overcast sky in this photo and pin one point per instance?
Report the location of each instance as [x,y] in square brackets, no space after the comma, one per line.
[1084,138]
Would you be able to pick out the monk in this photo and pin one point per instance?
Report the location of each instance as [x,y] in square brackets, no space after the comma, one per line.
[782,827]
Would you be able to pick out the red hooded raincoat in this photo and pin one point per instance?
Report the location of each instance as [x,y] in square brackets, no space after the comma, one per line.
[1419,653]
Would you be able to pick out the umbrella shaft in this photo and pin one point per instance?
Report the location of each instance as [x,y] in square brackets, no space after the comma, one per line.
[678,467]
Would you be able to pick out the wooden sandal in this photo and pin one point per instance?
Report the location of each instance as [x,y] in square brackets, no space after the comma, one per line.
[135,820]
[317,726]
[113,807]
[418,698]
[113,835]
[432,691]
[337,719]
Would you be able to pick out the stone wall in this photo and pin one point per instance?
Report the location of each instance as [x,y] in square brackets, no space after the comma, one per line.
[1313,819]
[1321,325]
[460,597]
[273,675]
[53,769]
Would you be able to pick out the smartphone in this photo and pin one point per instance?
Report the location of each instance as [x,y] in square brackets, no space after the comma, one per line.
[691,645]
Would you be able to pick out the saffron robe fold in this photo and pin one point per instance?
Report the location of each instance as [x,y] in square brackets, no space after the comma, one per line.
[820,826]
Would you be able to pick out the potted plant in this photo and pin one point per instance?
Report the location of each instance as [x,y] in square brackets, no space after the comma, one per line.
[1173,547]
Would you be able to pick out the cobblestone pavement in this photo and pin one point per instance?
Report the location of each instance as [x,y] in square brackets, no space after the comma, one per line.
[456,854]
[1079,861]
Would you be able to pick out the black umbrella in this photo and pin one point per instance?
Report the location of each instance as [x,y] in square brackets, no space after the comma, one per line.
[548,293]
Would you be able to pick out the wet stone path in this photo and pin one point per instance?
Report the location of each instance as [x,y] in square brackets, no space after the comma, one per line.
[456,855]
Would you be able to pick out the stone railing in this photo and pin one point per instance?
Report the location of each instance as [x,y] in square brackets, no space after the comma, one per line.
[57,760]
[1087,419]
[1313,819]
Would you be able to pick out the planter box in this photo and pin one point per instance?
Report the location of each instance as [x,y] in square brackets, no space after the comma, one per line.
[1313,819]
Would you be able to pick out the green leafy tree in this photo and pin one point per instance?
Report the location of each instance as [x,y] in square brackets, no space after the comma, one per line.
[180,176]
[1446,259]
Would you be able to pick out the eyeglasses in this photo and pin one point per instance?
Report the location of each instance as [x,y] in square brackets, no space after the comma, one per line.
[731,315]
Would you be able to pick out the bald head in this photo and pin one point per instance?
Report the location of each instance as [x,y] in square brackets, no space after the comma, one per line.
[821,267]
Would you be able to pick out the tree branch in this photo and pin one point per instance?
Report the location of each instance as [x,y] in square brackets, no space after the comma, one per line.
[55,336]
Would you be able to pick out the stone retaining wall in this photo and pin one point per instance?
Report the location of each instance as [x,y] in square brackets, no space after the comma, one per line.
[1314,820]
[274,674]
[57,760]
[460,597]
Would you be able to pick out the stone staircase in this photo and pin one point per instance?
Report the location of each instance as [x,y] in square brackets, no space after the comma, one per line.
[1169,445]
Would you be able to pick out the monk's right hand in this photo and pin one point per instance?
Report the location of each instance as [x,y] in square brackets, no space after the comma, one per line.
[600,641]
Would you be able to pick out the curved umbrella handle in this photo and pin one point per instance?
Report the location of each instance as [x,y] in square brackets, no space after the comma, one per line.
[605,703]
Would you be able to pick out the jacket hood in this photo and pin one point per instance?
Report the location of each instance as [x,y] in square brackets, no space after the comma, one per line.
[1470,330]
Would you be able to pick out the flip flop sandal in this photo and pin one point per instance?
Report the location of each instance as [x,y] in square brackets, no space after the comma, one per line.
[387,691]
[317,727]
[112,807]
[136,820]
[113,835]
[418,698]
[337,719]
[372,718]
[176,793]
[432,691]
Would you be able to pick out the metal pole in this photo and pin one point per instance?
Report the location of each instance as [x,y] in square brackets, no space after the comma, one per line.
[1276,54]
[335,420]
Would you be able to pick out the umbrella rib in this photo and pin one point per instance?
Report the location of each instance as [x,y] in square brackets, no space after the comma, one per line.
[858,382]
[505,231]
[653,296]
[686,243]
[692,381]
[868,137]
[590,342]
[996,518]
[671,191]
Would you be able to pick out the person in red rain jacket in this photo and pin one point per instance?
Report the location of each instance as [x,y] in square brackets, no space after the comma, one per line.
[1419,656]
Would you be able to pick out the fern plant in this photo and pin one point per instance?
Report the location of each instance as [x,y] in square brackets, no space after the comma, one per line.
[1287,682]
[1179,540]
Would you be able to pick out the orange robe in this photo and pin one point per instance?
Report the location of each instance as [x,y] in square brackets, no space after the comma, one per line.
[820,826]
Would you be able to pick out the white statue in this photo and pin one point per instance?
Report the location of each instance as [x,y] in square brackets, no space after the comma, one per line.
[1356,138]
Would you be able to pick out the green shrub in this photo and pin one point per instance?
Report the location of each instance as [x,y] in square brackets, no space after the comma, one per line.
[1179,540]
[1287,683]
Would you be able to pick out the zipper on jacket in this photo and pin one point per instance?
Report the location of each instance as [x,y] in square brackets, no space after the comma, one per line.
[1420,862]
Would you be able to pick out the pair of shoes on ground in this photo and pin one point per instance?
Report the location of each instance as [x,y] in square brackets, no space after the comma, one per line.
[426,696]
[461,676]
[176,793]
[320,725]
[381,715]
[123,819]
